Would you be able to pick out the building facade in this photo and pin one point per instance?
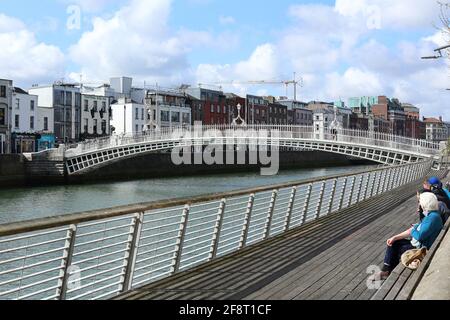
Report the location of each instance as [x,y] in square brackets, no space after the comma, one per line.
[257,110]
[95,116]
[436,129]
[277,114]
[167,109]
[214,104]
[6,93]
[24,115]
[65,101]
[128,116]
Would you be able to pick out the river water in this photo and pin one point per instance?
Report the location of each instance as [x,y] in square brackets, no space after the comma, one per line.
[39,202]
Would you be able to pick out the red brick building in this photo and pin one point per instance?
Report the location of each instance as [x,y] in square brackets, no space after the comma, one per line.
[257,110]
[213,103]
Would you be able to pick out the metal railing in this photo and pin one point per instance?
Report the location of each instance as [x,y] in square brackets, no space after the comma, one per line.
[346,136]
[100,254]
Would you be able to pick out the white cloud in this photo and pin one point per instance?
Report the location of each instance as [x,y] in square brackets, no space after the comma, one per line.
[226,20]
[135,41]
[24,58]
[339,55]
[90,6]
[398,14]
[261,65]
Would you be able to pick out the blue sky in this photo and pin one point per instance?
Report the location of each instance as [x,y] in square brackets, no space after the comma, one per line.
[341,48]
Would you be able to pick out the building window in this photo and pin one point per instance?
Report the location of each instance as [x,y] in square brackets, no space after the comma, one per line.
[2,116]
[186,118]
[176,117]
[86,125]
[68,98]
[31,123]
[95,106]
[86,105]
[104,126]
[137,128]
[45,123]
[212,108]
[142,115]
[137,114]
[165,116]
[17,103]
[32,105]
[2,91]
[95,126]
[16,121]
[104,106]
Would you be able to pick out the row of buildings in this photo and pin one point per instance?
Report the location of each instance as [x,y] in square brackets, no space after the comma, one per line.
[45,116]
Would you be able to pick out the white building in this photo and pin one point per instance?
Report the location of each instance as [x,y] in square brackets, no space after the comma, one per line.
[128,116]
[123,88]
[6,91]
[323,119]
[95,119]
[65,101]
[24,121]
[167,109]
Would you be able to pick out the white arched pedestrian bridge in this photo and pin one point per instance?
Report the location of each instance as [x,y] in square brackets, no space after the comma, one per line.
[378,147]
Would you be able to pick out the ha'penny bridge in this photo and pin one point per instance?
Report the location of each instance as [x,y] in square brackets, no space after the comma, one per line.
[311,239]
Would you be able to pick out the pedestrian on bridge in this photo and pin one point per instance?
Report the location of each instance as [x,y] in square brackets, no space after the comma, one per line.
[421,235]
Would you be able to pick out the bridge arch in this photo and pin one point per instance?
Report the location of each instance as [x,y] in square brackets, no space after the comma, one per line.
[380,148]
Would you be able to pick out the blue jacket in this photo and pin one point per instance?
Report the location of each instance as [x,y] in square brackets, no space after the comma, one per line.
[427,231]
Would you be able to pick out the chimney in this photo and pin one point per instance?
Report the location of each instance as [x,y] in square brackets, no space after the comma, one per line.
[440,118]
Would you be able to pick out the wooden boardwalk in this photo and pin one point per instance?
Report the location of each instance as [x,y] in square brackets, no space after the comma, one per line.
[326,259]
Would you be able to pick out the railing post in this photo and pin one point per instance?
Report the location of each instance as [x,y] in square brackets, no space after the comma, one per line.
[66,262]
[366,188]
[358,195]
[387,182]
[245,227]
[319,203]
[375,184]
[270,214]
[287,222]
[176,260]
[333,194]
[131,253]
[306,205]
[352,192]
[383,182]
[380,181]
[217,230]
[392,180]
[341,200]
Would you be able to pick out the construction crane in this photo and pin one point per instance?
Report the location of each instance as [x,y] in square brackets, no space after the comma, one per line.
[296,83]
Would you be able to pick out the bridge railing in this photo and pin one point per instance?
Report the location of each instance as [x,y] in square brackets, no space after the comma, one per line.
[291,132]
[100,254]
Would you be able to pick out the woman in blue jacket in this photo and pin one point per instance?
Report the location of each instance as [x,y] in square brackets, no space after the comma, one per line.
[421,235]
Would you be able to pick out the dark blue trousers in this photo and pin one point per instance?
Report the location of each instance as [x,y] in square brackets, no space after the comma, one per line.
[394,254]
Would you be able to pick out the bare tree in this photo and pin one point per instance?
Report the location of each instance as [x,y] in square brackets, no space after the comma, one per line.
[445,21]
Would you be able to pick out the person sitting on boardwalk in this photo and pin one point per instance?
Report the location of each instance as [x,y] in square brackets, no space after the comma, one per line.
[422,235]
[434,185]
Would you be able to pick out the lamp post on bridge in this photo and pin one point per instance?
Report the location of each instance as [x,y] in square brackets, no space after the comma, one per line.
[238,121]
